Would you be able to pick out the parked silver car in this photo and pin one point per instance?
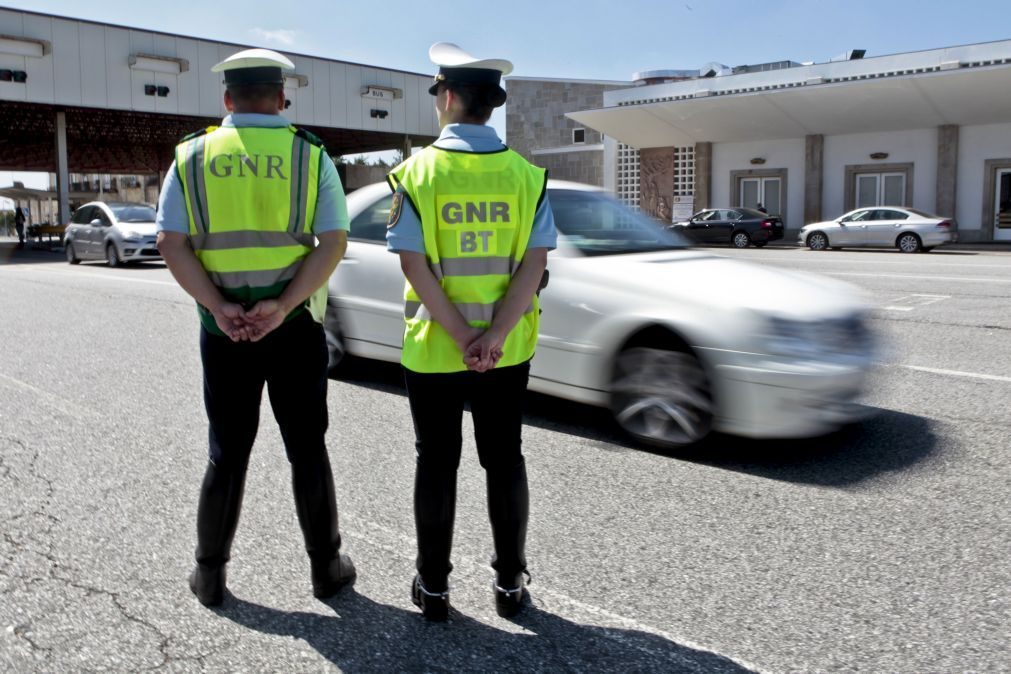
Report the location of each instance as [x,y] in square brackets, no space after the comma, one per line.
[907,229]
[116,232]
[674,341]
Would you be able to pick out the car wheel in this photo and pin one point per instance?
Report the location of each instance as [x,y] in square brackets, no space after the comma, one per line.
[661,397]
[908,243]
[71,253]
[740,239]
[335,346]
[112,255]
[817,241]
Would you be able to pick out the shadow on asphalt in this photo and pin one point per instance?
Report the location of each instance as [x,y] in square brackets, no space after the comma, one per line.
[365,635]
[886,442]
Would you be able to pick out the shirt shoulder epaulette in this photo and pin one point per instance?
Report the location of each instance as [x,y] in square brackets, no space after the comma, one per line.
[197,134]
[308,136]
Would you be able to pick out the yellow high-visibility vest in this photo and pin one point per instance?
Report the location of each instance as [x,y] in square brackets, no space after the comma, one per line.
[477,212]
[251,199]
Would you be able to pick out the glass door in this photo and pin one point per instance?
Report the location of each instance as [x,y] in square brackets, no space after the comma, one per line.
[765,192]
[1002,206]
[880,189]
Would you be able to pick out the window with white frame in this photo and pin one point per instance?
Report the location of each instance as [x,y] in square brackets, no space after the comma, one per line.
[578,136]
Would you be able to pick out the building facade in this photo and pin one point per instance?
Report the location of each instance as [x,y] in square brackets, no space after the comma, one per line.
[537,128]
[929,130]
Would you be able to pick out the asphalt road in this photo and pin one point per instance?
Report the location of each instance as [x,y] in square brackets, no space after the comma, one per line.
[883,547]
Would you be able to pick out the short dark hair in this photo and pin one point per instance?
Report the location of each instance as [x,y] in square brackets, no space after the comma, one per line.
[245,94]
[478,101]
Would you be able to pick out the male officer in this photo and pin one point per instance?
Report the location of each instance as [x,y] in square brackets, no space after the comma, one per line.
[472,225]
[237,216]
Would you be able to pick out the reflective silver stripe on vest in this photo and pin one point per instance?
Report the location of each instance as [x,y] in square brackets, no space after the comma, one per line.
[471,311]
[474,266]
[301,153]
[253,279]
[196,186]
[249,239]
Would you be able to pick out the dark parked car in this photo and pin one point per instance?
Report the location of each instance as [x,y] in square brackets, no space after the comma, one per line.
[740,227]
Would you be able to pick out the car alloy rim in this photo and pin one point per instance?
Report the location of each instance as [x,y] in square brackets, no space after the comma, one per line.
[661,396]
[817,241]
[907,243]
[741,240]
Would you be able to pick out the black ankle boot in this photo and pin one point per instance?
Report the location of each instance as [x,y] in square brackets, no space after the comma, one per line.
[330,576]
[208,584]
[316,506]
[217,520]
[509,593]
[434,605]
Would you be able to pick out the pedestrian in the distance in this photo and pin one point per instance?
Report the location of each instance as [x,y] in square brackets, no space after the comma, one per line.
[19,225]
[238,215]
[473,227]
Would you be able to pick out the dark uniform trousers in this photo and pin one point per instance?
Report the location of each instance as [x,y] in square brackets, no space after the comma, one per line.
[496,404]
[292,362]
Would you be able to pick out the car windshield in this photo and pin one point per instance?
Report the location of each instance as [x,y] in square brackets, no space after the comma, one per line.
[134,213]
[597,224]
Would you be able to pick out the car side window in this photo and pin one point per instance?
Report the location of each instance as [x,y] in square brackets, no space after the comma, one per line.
[101,215]
[862,216]
[731,215]
[82,215]
[370,224]
[893,215]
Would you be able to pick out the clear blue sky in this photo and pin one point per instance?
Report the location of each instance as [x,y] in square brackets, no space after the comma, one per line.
[590,39]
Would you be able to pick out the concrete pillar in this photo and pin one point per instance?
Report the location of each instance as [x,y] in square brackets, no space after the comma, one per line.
[62,170]
[703,175]
[814,151]
[656,182]
[947,170]
[405,148]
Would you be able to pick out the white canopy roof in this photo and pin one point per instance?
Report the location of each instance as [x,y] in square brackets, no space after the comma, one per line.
[958,95]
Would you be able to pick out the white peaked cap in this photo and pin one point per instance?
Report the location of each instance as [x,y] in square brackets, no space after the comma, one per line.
[254,58]
[449,55]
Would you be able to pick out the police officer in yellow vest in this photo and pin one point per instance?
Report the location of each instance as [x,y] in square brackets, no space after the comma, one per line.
[472,225]
[240,213]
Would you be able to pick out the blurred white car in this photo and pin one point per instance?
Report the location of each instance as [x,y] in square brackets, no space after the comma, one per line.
[675,342]
[907,229]
[116,232]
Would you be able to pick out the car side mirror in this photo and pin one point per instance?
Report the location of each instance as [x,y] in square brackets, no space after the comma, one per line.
[96,222]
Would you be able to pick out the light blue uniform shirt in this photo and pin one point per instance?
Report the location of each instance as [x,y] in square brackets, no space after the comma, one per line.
[331,208]
[406,234]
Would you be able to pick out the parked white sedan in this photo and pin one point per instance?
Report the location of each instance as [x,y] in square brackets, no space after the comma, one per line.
[674,341]
[907,229]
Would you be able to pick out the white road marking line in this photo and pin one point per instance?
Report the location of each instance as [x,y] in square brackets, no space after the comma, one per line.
[69,408]
[403,546]
[107,277]
[922,277]
[823,261]
[910,302]
[957,373]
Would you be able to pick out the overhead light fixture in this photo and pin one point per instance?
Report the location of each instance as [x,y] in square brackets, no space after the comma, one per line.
[24,46]
[879,155]
[758,160]
[170,65]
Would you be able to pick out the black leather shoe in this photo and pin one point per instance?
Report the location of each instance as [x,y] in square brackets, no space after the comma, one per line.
[434,605]
[208,584]
[330,577]
[509,595]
